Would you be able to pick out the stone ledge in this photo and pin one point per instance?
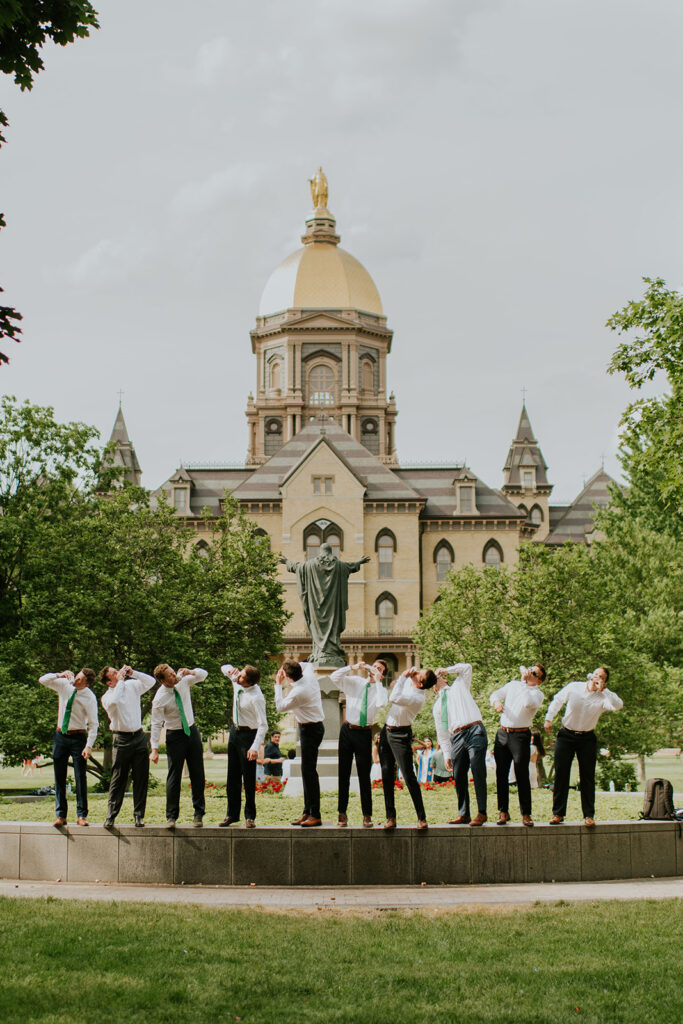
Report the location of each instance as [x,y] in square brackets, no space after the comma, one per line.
[288,856]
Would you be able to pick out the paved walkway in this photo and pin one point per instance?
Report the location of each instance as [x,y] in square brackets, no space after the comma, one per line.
[429,898]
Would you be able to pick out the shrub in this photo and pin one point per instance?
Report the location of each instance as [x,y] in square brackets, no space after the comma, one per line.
[621,773]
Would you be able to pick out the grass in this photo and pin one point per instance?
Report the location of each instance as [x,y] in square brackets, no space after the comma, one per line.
[280,809]
[603,963]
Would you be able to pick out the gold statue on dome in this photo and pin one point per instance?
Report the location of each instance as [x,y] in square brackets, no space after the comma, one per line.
[319,189]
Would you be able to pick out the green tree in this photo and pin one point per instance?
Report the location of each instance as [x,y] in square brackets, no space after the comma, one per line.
[99,578]
[25,26]
[651,440]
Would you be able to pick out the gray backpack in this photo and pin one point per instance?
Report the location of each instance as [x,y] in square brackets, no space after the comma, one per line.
[658,803]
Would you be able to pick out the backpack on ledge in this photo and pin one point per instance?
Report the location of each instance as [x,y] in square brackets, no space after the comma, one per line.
[658,804]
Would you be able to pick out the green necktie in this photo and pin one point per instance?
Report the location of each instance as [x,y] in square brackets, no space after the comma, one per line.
[444,710]
[67,711]
[364,707]
[181,709]
[238,697]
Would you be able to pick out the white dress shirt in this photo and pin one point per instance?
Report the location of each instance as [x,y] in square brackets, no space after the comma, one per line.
[249,710]
[406,701]
[354,688]
[521,703]
[584,706]
[304,697]
[165,710]
[122,702]
[83,710]
[462,707]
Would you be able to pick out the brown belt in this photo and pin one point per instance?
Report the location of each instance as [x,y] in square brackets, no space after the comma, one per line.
[462,727]
[525,728]
[363,727]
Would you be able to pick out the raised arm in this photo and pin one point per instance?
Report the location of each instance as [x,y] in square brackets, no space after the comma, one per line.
[463,670]
[560,698]
[355,566]
[498,696]
[192,676]
[143,682]
[610,701]
[287,562]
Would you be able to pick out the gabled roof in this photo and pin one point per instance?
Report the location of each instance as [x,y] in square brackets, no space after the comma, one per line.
[576,521]
[381,483]
[436,486]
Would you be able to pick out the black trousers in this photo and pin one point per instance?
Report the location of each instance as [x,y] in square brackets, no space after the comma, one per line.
[130,753]
[179,749]
[355,743]
[311,736]
[240,769]
[395,747]
[63,748]
[585,746]
[513,748]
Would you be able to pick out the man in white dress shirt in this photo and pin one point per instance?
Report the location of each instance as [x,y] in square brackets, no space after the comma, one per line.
[406,700]
[249,727]
[130,749]
[466,743]
[586,700]
[516,702]
[305,701]
[364,695]
[74,737]
[172,708]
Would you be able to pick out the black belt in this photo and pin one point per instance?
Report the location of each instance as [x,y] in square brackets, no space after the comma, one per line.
[578,732]
[244,728]
[397,728]
[122,732]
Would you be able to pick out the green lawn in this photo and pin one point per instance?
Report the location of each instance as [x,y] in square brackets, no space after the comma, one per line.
[604,963]
[279,809]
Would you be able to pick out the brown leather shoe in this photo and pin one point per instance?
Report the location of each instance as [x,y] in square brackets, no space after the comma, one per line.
[311,822]
[250,823]
[82,821]
[301,820]
[367,821]
[59,822]
[390,824]
[422,824]
[342,820]
[556,819]
[227,821]
[479,819]
[503,818]
[464,819]
[527,820]
[589,822]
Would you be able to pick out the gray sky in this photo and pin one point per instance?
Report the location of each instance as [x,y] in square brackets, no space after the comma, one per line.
[507,172]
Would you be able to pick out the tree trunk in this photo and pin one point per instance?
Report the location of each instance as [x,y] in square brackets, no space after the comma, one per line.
[640,769]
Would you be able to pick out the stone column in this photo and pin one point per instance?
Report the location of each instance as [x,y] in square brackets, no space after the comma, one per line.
[327,755]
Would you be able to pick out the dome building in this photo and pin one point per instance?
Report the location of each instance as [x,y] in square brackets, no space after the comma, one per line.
[322,464]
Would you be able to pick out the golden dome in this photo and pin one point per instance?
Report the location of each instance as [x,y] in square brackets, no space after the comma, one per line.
[320,275]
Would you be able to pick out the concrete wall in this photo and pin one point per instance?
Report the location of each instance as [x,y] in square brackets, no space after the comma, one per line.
[331,856]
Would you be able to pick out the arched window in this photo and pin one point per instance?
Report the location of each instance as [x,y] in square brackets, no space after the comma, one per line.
[275,367]
[321,385]
[524,509]
[385,609]
[202,549]
[536,515]
[444,558]
[322,530]
[492,553]
[367,376]
[385,546]
[262,535]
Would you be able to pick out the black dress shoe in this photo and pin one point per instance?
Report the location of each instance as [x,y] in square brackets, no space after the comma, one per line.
[139,822]
[108,822]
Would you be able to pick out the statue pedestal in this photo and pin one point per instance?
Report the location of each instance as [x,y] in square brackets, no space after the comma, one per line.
[327,754]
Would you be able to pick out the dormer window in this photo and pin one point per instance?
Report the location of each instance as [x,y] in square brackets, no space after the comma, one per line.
[181,502]
[466,499]
[528,479]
